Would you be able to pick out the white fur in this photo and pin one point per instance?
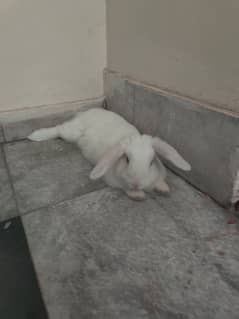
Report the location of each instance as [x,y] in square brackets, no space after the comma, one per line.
[121,155]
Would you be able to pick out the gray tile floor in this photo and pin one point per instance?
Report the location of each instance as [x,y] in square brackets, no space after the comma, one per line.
[100,255]
[47,172]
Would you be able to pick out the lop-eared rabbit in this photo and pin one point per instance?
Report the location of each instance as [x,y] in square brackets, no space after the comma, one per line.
[123,157]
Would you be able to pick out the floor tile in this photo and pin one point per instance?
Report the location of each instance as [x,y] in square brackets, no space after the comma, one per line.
[47,172]
[104,256]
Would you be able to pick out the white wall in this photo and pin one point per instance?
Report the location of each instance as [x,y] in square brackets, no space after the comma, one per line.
[187,46]
[51,51]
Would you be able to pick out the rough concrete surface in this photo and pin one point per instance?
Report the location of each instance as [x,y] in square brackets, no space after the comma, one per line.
[47,172]
[104,256]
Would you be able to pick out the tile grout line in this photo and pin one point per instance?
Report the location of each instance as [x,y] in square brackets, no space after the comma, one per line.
[10,179]
[35,210]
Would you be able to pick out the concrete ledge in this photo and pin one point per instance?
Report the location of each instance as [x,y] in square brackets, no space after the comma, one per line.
[207,138]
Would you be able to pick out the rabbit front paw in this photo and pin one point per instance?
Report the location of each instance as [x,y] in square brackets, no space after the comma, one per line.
[136,195]
[162,187]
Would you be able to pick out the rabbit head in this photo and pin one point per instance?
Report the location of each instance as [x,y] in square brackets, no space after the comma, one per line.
[136,161]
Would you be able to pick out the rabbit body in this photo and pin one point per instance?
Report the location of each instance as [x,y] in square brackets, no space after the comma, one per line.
[123,157]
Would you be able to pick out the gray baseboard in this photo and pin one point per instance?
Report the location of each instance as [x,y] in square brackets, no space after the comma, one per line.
[19,124]
[207,138]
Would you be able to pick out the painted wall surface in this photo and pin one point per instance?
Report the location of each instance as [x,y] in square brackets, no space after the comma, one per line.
[186,46]
[51,51]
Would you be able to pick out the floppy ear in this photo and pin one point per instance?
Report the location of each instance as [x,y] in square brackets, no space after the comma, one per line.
[107,161]
[169,153]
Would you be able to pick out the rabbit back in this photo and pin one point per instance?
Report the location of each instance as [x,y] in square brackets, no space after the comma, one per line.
[99,130]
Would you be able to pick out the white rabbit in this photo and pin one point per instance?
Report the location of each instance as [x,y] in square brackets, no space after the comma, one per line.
[123,157]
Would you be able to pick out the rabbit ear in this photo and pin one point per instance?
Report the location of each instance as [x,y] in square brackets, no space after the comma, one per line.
[107,161]
[169,153]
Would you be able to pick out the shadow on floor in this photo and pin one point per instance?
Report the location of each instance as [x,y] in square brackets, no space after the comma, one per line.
[19,290]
